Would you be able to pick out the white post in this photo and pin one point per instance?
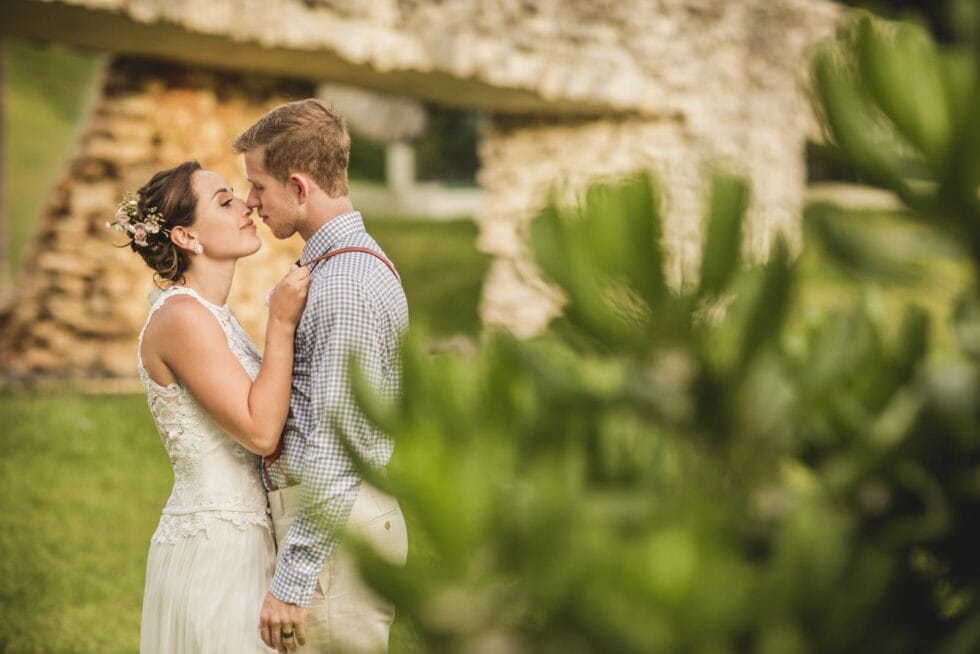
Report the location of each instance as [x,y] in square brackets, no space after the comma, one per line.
[400,166]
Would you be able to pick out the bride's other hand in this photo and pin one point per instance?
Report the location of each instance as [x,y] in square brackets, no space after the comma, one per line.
[288,298]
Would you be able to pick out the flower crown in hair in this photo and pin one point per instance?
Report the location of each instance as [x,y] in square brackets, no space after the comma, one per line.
[128,219]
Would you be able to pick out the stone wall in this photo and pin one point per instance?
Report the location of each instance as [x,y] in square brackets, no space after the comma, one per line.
[736,96]
[82,301]
[523,162]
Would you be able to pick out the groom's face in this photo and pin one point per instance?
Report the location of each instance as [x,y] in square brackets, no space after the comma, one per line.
[269,197]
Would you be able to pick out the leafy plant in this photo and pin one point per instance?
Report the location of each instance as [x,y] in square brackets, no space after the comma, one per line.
[667,472]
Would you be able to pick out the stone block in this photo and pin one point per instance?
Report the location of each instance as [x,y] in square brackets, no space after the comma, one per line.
[119,152]
[94,199]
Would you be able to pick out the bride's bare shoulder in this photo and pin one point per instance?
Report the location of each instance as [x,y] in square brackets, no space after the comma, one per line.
[180,320]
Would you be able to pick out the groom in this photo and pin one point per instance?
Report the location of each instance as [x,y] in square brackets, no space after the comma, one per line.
[296,160]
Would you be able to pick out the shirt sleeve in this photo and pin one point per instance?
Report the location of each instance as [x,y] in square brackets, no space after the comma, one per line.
[342,323]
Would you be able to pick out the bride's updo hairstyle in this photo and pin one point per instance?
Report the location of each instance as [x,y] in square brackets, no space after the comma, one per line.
[166,201]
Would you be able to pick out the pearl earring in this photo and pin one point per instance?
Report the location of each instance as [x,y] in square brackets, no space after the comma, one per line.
[198,248]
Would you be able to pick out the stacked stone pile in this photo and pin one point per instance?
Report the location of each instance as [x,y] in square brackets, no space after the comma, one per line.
[82,301]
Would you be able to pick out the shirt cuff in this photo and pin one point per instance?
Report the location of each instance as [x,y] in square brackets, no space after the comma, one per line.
[291,586]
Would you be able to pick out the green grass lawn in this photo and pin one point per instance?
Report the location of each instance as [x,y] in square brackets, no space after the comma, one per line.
[83,480]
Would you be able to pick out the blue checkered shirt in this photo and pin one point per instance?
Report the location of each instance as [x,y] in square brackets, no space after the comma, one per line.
[355,305]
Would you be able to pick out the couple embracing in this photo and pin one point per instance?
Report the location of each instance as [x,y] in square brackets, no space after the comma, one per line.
[247,554]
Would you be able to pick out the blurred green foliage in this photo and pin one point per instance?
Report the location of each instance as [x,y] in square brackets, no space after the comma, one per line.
[367,159]
[665,472]
[909,261]
[445,151]
[947,20]
[423,250]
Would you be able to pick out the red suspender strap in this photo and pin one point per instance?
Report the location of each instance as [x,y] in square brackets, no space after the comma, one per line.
[352,249]
[270,460]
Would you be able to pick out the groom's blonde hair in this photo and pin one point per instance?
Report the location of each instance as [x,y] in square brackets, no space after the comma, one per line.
[305,136]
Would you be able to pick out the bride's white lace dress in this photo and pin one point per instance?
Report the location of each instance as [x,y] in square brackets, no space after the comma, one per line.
[212,555]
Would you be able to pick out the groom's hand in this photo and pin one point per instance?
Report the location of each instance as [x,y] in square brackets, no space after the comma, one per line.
[275,618]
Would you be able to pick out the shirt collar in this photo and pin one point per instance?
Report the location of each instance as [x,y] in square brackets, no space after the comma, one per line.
[331,233]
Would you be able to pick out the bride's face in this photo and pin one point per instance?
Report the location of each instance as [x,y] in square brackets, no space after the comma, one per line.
[222,222]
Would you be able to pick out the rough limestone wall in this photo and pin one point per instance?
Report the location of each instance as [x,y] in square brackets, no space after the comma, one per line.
[751,115]
[82,301]
[645,56]
[522,163]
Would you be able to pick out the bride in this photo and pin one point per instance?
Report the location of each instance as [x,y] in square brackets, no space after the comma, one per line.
[218,407]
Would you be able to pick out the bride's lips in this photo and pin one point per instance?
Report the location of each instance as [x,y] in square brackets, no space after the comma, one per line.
[249,225]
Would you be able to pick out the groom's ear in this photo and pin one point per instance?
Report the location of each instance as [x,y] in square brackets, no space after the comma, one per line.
[300,186]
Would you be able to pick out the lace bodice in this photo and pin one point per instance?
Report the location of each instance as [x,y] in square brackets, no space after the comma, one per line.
[215,478]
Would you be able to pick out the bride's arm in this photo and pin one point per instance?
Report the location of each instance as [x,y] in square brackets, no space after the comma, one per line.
[193,346]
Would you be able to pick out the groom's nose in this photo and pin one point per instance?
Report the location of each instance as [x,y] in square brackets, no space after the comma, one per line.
[252,202]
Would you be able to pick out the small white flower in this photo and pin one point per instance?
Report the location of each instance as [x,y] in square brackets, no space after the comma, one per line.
[128,219]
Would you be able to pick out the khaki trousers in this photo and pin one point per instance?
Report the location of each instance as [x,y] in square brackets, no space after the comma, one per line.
[345,616]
